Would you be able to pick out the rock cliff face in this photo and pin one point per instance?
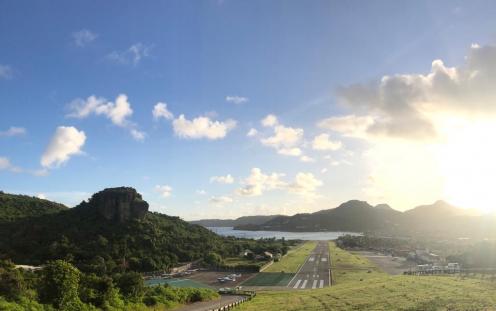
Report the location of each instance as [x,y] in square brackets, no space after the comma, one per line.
[119,204]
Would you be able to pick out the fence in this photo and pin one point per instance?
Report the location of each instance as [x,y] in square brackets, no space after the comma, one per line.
[232,305]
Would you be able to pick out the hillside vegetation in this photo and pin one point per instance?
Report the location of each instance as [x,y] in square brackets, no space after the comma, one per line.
[358,289]
[15,206]
[114,231]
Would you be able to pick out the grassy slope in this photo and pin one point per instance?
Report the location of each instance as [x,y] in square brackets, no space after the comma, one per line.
[379,291]
[292,261]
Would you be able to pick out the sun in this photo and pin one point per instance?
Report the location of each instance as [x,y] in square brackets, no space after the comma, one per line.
[467,159]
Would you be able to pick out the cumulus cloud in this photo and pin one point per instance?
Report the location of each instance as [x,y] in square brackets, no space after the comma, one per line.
[306,159]
[258,182]
[228,179]
[238,100]
[160,111]
[13,131]
[220,200]
[133,55]
[293,152]
[406,105]
[323,142]
[202,127]
[164,190]
[6,165]
[285,140]
[6,72]
[252,132]
[305,184]
[66,142]
[350,125]
[83,37]
[269,121]
[117,112]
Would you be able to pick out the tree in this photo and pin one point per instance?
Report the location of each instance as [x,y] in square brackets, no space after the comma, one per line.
[12,285]
[131,285]
[59,286]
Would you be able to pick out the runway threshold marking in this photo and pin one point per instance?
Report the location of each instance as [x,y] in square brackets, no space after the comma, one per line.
[304,284]
[297,284]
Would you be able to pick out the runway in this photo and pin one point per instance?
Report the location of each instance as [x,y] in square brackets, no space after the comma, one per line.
[315,271]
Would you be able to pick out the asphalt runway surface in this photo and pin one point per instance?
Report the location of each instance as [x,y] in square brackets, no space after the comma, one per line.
[315,271]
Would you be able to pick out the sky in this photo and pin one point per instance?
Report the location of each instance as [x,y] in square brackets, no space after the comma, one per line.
[218,109]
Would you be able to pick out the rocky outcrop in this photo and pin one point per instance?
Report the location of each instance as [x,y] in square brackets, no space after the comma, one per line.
[118,204]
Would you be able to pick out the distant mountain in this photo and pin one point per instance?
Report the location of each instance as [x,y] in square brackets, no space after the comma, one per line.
[15,206]
[353,215]
[113,229]
[439,219]
[241,221]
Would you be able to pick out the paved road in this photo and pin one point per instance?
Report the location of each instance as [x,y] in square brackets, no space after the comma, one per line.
[315,272]
[209,305]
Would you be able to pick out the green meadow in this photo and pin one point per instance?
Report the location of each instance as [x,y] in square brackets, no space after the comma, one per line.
[359,285]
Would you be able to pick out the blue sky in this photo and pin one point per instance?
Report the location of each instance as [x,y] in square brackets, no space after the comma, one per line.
[291,59]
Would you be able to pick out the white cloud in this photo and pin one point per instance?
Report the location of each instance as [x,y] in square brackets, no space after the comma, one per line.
[228,179]
[137,134]
[117,112]
[258,182]
[293,152]
[160,111]
[238,100]
[13,131]
[83,37]
[164,190]
[6,165]
[269,121]
[252,132]
[201,192]
[66,142]
[409,105]
[306,159]
[305,184]
[285,140]
[350,125]
[41,196]
[6,72]
[133,55]
[221,200]
[323,142]
[202,127]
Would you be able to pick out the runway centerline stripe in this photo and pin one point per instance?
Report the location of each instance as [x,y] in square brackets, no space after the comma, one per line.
[321,284]
[314,285]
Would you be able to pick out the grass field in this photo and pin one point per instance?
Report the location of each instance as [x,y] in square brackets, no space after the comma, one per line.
[347,267]
[358,289]
[293,259]
[269,279]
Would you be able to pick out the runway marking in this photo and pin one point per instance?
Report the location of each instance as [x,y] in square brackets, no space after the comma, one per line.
[304,284]
[297,283]
[324,259]
[314,285]
[311,259]
[321,283]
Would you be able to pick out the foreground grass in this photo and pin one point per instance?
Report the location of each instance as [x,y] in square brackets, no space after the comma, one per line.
[293,259]
[358,289]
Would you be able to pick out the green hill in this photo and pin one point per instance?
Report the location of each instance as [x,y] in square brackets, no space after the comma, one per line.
[15,206]
[112,231]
